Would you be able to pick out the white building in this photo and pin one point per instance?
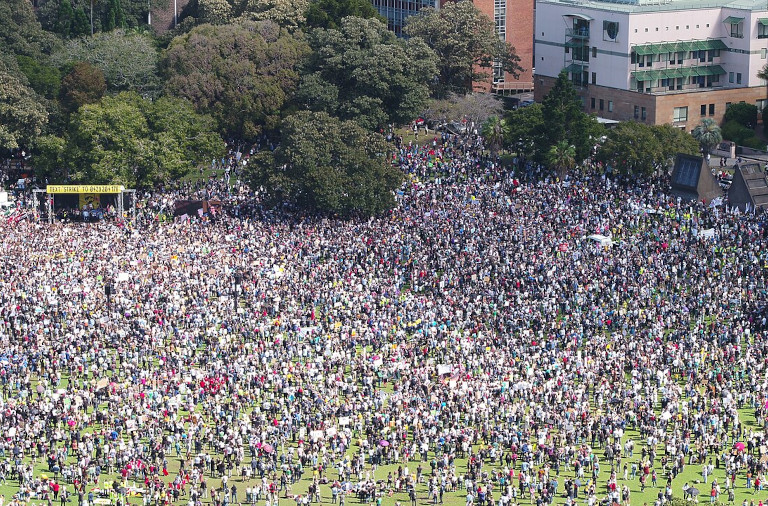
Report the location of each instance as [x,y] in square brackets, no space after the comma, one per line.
[658,61]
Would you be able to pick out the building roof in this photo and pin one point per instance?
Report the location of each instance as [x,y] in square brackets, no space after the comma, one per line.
[749,186]
[693,180]
[640,6]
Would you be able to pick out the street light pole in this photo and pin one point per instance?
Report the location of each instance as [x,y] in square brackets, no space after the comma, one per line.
[108,293]
[238,284]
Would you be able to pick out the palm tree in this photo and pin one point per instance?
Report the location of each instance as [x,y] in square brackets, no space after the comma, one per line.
[562,157]
[763,73]
[493,132]
[708,135]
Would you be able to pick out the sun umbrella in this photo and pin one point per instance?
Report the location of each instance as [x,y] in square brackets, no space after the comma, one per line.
[267,448]
[739,446]
[384,443]
[694,491]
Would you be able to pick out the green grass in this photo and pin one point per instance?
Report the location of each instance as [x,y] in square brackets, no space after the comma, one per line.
[691,474]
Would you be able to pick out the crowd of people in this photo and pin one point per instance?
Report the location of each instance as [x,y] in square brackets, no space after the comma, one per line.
[474,344]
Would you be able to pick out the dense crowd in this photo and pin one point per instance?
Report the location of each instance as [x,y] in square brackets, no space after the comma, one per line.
[473,341]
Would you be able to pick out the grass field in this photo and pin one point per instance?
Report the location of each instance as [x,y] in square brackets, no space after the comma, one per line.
[692,475]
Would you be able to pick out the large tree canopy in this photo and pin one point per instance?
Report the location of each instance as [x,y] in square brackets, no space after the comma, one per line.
[364,73]
[638,149]
[129,60]
[534,130]
[288,14]
[129,140]
[329,165]
[20,31]
[241,74]
[329,13]
[466,44]
[22,115]
[84,84]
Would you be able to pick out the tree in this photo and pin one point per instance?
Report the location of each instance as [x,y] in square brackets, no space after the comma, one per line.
[534,137]
[673,141]
[476,108]
[329,13]
[129,60]
[48,156]
[638,149]
[466,45]
[126,139]
[525,130]
[707,134]
[21,33]
[493,133]
[288,14]
[22,116]
[741,135]
[44,79]
[65,18]
[115,16]
[215,12]
[631,148]
[742,113]
[80,25]
[567,122]
[84,84]
[561,157]
[328,165]
[235,73]
[364,73]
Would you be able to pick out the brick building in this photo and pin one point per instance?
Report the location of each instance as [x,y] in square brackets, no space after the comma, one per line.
[656,61]
[514,24]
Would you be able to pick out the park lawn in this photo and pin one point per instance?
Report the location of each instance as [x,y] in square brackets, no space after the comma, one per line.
[691,474]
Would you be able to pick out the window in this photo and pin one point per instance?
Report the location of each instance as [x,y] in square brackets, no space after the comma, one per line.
[610,31]
[680,57]
[763,53]
[637,111]
[680,114]
[711,109]
[703,109]
[730,77]
[727,105]
[738,77]
[762,30]
[643,115]
[761,104]
[594,52]
[610,106]
[592,102]
[602,104]
[737,30]
[567,50]
[594,78]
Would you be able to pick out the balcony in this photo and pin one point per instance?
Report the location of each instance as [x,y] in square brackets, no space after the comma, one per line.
[577,33]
